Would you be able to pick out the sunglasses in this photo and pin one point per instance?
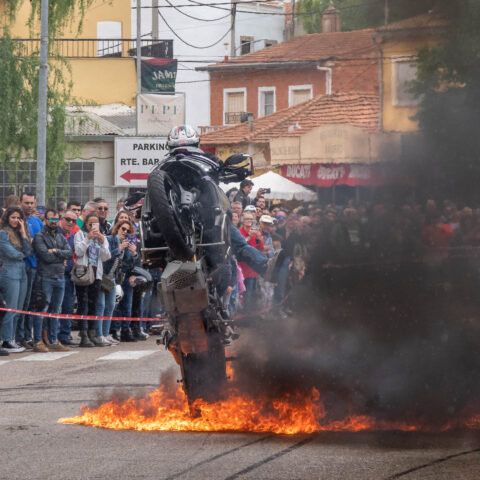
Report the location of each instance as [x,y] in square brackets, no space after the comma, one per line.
[69,220]
[103,208]
[53,220]
[281,216]
[124,229]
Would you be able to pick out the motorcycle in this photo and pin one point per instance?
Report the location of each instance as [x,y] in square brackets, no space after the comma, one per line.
[185,230]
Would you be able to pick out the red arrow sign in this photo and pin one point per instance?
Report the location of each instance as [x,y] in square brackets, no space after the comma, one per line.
[129,176]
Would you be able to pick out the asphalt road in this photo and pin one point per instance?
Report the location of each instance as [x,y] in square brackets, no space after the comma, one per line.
[35,393]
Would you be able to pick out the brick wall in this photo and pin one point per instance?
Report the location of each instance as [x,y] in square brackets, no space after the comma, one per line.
[350,76]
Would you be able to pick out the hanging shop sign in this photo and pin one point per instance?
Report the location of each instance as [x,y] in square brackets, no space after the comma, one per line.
[327,175]
[157,114]
[158,75]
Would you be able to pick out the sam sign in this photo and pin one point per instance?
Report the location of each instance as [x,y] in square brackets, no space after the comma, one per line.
[136,157]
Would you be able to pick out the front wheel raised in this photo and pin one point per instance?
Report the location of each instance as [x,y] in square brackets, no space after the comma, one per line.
[178,231]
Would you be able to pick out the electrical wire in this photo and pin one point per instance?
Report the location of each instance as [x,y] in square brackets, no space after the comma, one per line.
[196,18]
[190,44]
[297,14]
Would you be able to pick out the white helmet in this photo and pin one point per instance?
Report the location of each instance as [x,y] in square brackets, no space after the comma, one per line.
[118,293]
[183,135]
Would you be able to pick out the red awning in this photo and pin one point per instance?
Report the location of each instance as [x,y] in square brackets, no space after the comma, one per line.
[327,175]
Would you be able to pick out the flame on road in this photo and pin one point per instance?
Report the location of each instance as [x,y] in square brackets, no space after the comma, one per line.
[292,414]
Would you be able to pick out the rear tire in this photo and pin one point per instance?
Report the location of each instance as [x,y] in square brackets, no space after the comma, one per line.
[164,195]
[204,374]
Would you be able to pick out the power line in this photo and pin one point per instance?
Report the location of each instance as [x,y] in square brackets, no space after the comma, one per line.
[310,12]
[190,44]
[196,18]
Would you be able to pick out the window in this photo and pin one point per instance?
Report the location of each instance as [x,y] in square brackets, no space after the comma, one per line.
[403,72]
[107,35]
[266,101]
[298,94]
[24,178]
[269,43]
[246,45]
[234,104]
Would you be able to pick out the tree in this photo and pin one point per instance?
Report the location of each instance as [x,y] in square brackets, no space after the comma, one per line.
[358,14]
[449,113]
[19,90]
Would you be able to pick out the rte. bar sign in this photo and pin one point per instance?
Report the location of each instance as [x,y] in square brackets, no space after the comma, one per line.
[136,157]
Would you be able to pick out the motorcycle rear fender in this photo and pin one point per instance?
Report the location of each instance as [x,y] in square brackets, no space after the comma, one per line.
[183,288]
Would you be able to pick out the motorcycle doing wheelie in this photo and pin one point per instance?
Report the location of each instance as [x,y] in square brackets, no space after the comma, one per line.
[185,230]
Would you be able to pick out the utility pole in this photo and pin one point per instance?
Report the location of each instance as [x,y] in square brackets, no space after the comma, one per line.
[155,19]
[42,105]
[293,20]
[232,30]
[387,12]
[139,55]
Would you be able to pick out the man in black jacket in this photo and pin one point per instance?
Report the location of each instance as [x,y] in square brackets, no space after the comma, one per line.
[244,192]
[52,250]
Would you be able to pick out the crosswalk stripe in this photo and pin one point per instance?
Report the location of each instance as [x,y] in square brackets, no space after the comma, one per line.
[127,355]
[45,357]
[3,361]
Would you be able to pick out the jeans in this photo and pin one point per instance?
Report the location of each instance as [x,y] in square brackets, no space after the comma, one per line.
[54,289]
[251,294]
[282,282]
[87,300]
[25,322]
[248,254]
[105,308]
[14,292]
[65,324]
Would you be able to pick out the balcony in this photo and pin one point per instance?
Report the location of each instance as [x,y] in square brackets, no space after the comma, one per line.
[232,118]
[97,47]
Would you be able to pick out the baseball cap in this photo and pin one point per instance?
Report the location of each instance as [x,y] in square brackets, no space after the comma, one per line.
[250,208]
[266,219]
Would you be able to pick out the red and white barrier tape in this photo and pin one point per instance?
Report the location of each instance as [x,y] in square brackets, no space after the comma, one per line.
[83,317]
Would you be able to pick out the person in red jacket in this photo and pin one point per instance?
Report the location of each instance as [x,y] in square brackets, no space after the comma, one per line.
[254,239]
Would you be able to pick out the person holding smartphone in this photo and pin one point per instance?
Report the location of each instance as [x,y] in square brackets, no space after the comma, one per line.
[14,248]
[91,248]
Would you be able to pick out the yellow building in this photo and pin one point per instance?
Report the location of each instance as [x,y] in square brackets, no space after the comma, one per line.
[99,51]
[398,45]
[102,61]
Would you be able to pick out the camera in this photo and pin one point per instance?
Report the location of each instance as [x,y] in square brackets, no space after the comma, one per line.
[267,190]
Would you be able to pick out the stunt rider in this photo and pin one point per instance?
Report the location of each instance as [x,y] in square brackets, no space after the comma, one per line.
[186,136]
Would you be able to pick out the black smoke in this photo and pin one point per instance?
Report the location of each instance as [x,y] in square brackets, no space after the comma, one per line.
[400,343]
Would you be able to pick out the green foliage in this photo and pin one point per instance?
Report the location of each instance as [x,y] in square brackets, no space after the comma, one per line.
[358,14]
[449,114]
[19,91]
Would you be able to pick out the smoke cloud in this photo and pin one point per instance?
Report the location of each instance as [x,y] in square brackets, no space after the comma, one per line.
[399,346]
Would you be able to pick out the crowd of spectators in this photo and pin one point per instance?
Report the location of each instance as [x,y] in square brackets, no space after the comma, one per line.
[42,253]
[316,236]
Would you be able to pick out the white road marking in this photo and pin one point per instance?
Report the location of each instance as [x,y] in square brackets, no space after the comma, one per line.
[45,357]
[3,361]
[128,355]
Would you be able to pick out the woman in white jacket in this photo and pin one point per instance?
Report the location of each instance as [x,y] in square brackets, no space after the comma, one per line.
[91,247]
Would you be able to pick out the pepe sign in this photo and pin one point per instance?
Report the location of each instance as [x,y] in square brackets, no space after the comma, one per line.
[159,75]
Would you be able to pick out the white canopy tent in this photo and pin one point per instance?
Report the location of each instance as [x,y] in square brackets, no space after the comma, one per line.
[281,188]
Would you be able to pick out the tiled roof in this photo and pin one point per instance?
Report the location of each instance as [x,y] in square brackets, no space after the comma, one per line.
[358,110]
[84,124]
[425,20]
[312,47]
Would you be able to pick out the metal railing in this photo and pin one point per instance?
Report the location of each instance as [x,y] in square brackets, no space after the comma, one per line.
[97,47]
[231,118]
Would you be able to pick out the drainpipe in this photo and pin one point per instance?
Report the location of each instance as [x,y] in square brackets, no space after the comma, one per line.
[328,79]
[380,82]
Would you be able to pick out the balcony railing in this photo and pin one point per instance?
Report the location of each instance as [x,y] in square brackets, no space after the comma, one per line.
[232,118]
[97,47]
